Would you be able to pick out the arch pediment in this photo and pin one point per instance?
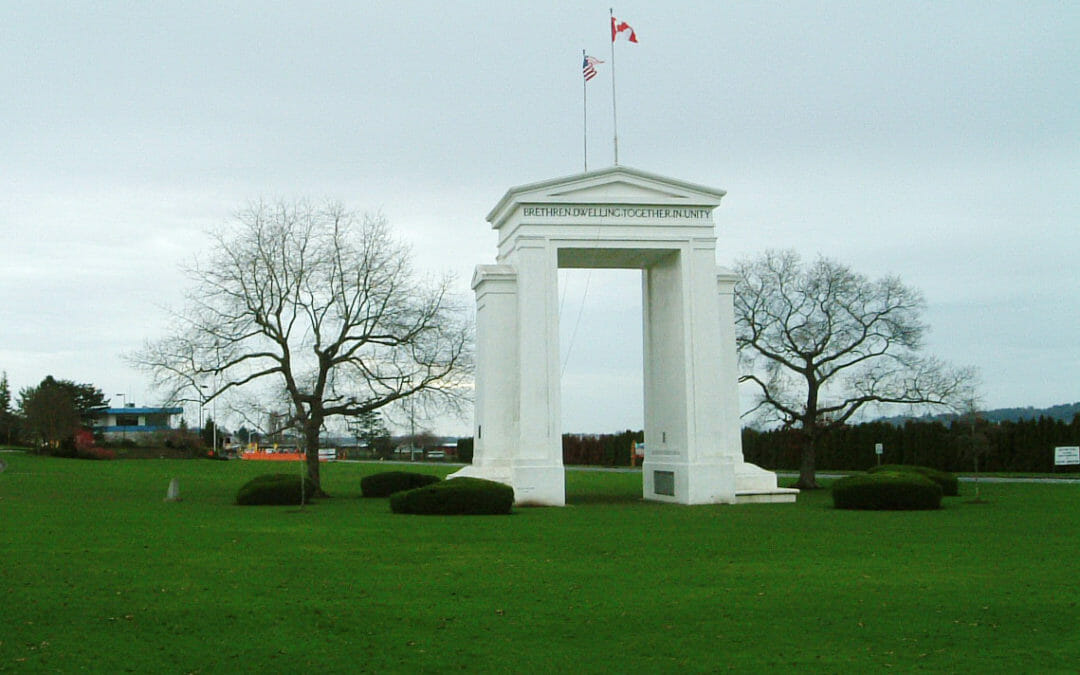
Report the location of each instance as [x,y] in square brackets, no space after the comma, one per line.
[620,185]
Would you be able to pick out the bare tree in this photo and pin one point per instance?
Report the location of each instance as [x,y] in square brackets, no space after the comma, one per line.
[324,306]
[976,445]
[821,341]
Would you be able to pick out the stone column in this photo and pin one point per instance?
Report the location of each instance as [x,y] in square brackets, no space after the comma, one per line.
[538,475]
[665,365]
[686,457]
[495,434]
[728,373]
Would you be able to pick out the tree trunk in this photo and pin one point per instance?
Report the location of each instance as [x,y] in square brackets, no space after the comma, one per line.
[311,450]
[807,470]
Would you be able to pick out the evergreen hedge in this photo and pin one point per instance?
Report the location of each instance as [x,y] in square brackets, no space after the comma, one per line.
[465,450]
[1018,446]
[388,482]
[950,486]
[458,496]
[274,489]
[887,491]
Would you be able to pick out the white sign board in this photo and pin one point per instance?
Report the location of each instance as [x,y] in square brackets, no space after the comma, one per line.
[879,448]
[1069,454]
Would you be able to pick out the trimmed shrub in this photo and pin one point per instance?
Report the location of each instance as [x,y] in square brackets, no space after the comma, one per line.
[274,489]
[388,482]
[468,496]
[950,486]
[887,491]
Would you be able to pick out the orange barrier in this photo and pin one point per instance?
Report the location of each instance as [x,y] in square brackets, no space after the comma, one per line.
[276,456]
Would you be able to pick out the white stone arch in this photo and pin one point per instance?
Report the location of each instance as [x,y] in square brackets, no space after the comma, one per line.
[612,218]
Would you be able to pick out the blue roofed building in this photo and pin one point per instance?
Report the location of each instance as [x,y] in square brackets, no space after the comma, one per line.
[132,422]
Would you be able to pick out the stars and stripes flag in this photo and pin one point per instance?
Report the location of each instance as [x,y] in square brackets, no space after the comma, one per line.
[588,68]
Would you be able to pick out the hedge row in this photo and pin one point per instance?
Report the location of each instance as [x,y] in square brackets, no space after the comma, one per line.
[458,496]
[1025,445]
[384,484]
[950,485]
[887,491]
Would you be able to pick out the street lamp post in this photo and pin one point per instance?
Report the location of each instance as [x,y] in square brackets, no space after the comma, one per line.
[213,405]
[123,428]
[217,352]
[201,403]
[412,431]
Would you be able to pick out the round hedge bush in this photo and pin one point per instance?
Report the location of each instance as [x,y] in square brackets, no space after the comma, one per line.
[887,491]
[950,486]
[457,496]
[274,489]
[388,482]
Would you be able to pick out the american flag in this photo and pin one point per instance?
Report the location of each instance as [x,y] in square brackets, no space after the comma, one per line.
[588,68]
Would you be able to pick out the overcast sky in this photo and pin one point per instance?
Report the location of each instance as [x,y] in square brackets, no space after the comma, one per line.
[935,140]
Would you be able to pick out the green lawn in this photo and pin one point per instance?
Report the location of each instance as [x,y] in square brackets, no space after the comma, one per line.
[101,574]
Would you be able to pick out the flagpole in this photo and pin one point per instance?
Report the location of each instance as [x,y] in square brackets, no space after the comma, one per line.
[614,113]
[584,116]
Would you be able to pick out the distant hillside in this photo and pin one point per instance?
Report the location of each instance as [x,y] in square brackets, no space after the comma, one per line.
[1064,412]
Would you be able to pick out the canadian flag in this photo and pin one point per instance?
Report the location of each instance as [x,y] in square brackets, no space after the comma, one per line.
[620,26]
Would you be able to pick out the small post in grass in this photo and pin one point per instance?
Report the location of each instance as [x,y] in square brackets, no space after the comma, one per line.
[879,450]
[173,493]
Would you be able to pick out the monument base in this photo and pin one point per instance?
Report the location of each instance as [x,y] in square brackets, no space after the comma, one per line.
[754,485]
[687,483]
[539,485]
[712,483]
[675,482]
[500,473]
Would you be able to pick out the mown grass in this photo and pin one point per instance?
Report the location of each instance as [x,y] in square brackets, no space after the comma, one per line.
[101,574]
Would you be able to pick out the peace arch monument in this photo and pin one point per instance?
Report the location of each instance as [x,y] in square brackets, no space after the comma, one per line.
[612,218]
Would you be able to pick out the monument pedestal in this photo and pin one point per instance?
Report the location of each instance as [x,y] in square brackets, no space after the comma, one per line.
[497,473]
[685,483]
[539,485]
[754,485]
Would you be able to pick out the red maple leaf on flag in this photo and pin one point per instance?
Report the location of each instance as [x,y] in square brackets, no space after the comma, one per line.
[618,27]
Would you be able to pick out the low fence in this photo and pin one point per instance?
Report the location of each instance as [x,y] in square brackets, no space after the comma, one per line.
[325,455]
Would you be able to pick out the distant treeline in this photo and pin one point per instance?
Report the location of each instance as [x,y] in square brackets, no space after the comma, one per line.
[1024,445]
[587,449]
[600,449]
